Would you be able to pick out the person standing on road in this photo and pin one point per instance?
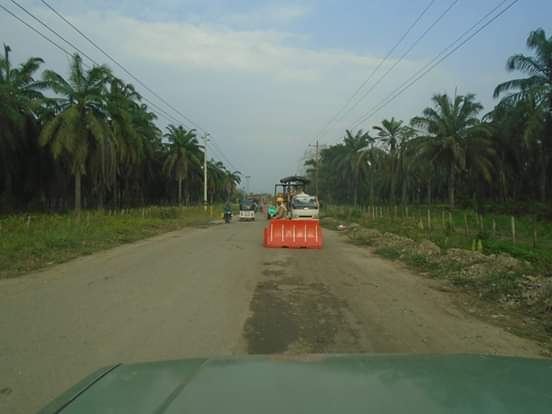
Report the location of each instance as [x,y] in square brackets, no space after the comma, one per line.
[282,209]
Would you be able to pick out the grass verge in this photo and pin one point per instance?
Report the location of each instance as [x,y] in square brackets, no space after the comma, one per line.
[31,242]
[460,228]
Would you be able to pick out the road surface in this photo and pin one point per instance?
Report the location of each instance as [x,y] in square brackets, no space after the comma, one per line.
[215,291]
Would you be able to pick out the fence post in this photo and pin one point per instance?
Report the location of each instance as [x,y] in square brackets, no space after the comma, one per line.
[429,221]
[534,232]
[443,218]
[513,222]
[406,211]
[28,224]
[466,229]
[451,222]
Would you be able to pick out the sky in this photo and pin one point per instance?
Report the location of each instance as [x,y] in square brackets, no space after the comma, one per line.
[265,78]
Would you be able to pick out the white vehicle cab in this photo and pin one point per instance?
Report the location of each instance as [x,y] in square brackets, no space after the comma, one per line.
[247,210]
[304,206]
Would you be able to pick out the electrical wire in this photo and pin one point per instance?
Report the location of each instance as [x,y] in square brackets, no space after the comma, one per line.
[325,128]
[54,32]
[38,32]
[401,58]
[121,66]
[154,106]
[126,70]
[440,57]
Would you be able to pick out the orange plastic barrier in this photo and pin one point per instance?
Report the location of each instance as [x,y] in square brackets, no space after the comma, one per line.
[293,234]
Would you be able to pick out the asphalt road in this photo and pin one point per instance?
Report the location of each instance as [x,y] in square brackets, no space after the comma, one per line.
[216,291]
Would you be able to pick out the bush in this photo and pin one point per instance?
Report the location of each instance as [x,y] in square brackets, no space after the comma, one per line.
[388,252]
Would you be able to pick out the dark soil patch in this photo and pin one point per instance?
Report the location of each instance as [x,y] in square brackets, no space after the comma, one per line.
[273,273]
[289,315]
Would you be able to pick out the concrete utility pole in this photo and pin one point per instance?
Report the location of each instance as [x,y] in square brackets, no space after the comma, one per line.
[205,141]
[317,147]
[247,177]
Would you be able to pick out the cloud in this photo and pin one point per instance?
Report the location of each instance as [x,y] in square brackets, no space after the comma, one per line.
[267,15]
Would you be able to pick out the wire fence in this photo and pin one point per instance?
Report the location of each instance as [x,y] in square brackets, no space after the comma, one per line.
[444,224]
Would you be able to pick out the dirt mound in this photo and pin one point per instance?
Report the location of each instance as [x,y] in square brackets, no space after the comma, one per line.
[503,261]
[428,248]
[363,234]
[465,257]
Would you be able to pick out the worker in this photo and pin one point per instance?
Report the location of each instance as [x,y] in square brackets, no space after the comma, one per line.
[282,209]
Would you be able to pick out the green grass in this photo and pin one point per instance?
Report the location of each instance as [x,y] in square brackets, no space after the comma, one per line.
[388,252]
[31,242]
[453,232]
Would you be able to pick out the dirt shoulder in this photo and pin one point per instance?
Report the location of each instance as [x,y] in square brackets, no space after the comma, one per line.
[345,298]
[497,288]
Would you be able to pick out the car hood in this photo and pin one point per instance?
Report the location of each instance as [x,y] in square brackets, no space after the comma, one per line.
[317,384]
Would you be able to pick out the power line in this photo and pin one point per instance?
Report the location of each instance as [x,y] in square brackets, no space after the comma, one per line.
[380,64]
[221,153]
[116,62]
[38,32]
[129,73]
[401,58]
[54,32]
[154,106]
[445,53]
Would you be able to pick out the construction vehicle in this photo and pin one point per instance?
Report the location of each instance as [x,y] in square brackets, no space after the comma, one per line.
[294,230]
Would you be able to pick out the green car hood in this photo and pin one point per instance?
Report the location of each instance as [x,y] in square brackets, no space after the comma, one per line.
[317,384]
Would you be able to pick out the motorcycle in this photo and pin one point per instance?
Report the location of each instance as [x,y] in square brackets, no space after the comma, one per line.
[227,217]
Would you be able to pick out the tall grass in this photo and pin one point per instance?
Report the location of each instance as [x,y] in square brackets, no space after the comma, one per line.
[29,242]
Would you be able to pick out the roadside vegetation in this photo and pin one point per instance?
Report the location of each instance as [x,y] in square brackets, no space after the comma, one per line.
[31,241]
[524,237]
[82,161]
[516,277]
[88,140]
[454,153]
[457,193]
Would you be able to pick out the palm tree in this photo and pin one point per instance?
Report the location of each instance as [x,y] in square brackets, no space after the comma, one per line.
[366,164]
[537,88]
[393,133]
[215,179]
[233,179]
[348,164]
[453,126]
[184,152]
[20,98]
[149,135]
[81,122]
[130,145]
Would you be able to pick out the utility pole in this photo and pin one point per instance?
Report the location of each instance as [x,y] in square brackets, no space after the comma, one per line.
[205,140]
[247,177]
[317,147]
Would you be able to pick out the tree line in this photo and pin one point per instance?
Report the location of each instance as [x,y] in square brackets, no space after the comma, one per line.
[452,152]
[89,140]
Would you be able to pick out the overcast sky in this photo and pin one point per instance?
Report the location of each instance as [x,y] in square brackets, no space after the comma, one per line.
[265,77]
